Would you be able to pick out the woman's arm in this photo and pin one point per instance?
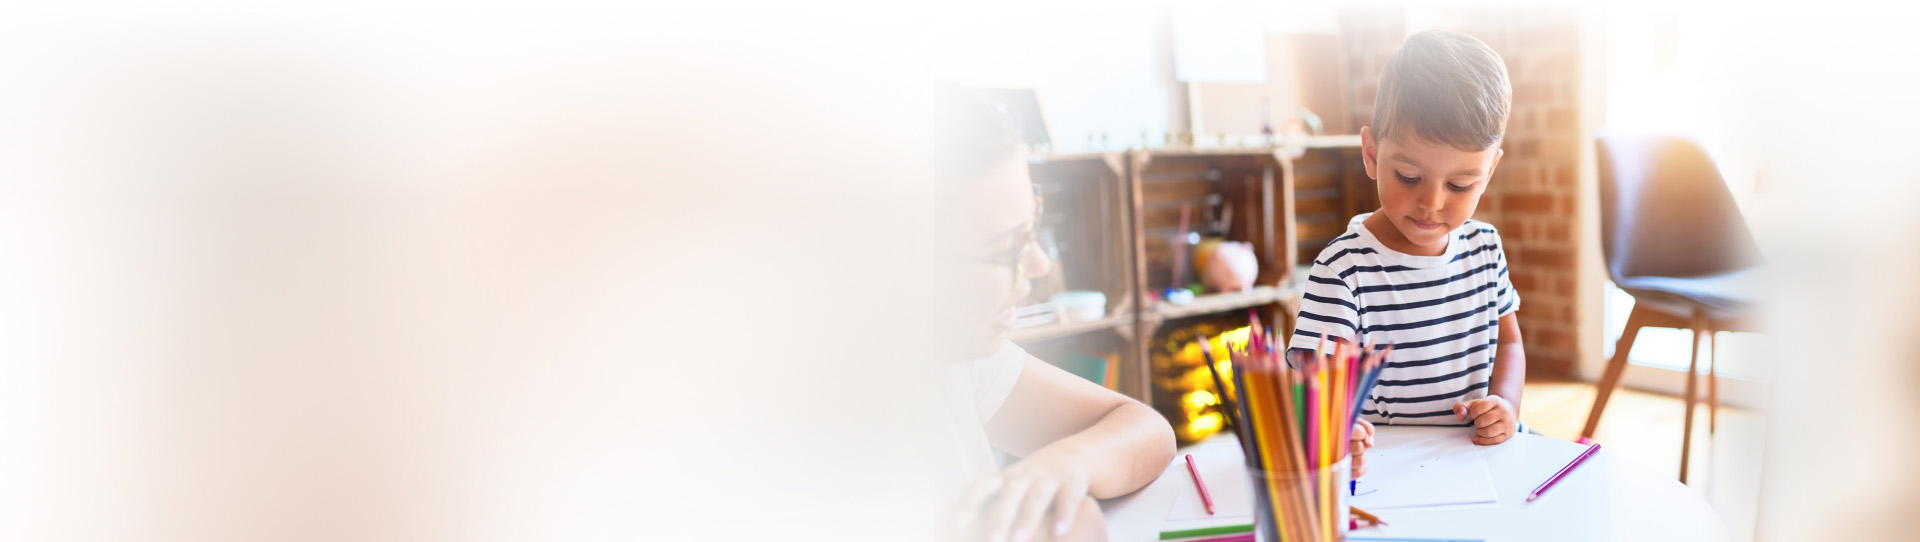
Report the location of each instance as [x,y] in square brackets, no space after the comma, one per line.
[1076,440]
[1124,443]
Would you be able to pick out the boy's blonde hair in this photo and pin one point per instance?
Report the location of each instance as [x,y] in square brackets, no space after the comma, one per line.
[1448,88]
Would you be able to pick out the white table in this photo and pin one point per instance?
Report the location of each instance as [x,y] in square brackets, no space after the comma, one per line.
[1607,498]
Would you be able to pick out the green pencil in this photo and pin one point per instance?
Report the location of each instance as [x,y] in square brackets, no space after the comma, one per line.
[1205,531]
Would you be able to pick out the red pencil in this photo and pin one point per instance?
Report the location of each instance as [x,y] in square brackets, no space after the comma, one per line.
[1204,497]
[1563,472]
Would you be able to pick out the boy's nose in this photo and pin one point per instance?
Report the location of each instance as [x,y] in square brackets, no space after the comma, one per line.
[1431,199]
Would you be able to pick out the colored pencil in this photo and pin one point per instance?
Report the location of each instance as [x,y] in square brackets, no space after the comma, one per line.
[1247,442]
[1297,421]
[1207,531]
[1323,476]
[1219,385]
[1544,486]
[1363,514]
[1180,249]
[1250,438]
[1254,396]
[1205,499]
[1291,509]
[1373,377]
[1242,537]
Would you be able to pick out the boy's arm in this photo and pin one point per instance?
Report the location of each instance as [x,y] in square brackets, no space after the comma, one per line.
[1076,440]
[1329,311]
[1497,416]
[1509,364]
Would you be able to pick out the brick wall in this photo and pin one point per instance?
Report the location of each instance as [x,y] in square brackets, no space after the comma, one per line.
[1533,197]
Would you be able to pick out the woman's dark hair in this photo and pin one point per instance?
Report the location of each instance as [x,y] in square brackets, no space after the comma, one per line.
[971,135]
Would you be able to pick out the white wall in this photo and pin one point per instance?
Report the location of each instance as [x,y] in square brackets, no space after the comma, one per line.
[1105,69]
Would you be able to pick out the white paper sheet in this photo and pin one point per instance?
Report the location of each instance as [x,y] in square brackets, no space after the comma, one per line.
[1424,466]
[1223,468]
[1231,490]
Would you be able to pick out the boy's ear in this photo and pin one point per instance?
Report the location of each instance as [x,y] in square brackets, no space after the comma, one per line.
[1497,153]
[1370,151]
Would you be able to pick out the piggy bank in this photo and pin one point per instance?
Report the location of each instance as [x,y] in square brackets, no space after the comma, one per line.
[1229,267]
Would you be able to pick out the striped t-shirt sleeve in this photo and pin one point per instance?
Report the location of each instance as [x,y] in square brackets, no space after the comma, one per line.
[1507,299]
[1327,309]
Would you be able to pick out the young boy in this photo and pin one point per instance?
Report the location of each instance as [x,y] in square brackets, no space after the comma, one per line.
[1419,273]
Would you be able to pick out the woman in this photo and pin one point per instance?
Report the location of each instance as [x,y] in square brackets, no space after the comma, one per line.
[1077,441]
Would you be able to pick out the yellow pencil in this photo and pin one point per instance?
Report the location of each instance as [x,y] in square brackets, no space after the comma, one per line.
[1258,397]
[1299,484]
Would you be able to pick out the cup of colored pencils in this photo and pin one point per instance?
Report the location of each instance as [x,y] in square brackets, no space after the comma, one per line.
[1295,421]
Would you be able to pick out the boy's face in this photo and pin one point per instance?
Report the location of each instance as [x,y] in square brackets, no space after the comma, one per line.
[1426,188]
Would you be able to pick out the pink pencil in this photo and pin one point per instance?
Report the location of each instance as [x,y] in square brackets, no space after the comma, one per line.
[1204,497]
[1563,472]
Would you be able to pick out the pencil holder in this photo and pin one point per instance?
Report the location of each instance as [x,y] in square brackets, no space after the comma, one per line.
[1296,419]
[1302,505]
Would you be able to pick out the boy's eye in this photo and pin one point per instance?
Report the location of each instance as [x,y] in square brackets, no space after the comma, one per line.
[1406,179]
[1458,188]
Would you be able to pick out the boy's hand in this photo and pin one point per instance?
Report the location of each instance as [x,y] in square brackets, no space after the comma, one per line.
[1362,441]
[1493,419]
[1012,504]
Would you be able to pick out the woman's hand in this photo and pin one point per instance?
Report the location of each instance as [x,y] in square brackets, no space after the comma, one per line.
[1493,419]
[1358,446]
[1012,504]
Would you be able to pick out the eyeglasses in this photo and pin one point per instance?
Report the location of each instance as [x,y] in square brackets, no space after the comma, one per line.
[1015,258]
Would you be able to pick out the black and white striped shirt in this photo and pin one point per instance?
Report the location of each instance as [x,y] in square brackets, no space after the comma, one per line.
[1440,313]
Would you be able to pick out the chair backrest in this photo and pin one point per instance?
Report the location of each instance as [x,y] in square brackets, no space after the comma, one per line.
[1665,211]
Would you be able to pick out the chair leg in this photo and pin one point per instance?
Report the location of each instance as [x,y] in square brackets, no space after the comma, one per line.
[1713,382]
[1693,384]
[1610,380]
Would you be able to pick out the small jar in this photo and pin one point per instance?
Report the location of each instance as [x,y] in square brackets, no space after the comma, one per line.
[1079,306]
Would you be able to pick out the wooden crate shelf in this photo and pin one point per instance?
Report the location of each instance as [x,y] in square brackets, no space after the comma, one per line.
[1121,211]
[1055,330]
[1219,302]
[1085,206]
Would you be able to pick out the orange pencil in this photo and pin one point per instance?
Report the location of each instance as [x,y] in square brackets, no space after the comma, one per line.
[1257,403]
[1363,514]
[1290,464]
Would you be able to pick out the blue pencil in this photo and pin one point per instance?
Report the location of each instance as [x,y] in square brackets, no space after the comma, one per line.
[1366,385]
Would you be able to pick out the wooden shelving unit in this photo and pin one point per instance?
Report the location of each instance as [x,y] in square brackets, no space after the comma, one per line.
[1054,330]
[1085,205]
[1123,219]
[1330,185]
[1258,296]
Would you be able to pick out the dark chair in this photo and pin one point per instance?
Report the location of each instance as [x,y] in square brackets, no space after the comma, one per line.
[1675,240]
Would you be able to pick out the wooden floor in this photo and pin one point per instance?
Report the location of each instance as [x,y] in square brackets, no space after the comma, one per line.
[1646,428]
